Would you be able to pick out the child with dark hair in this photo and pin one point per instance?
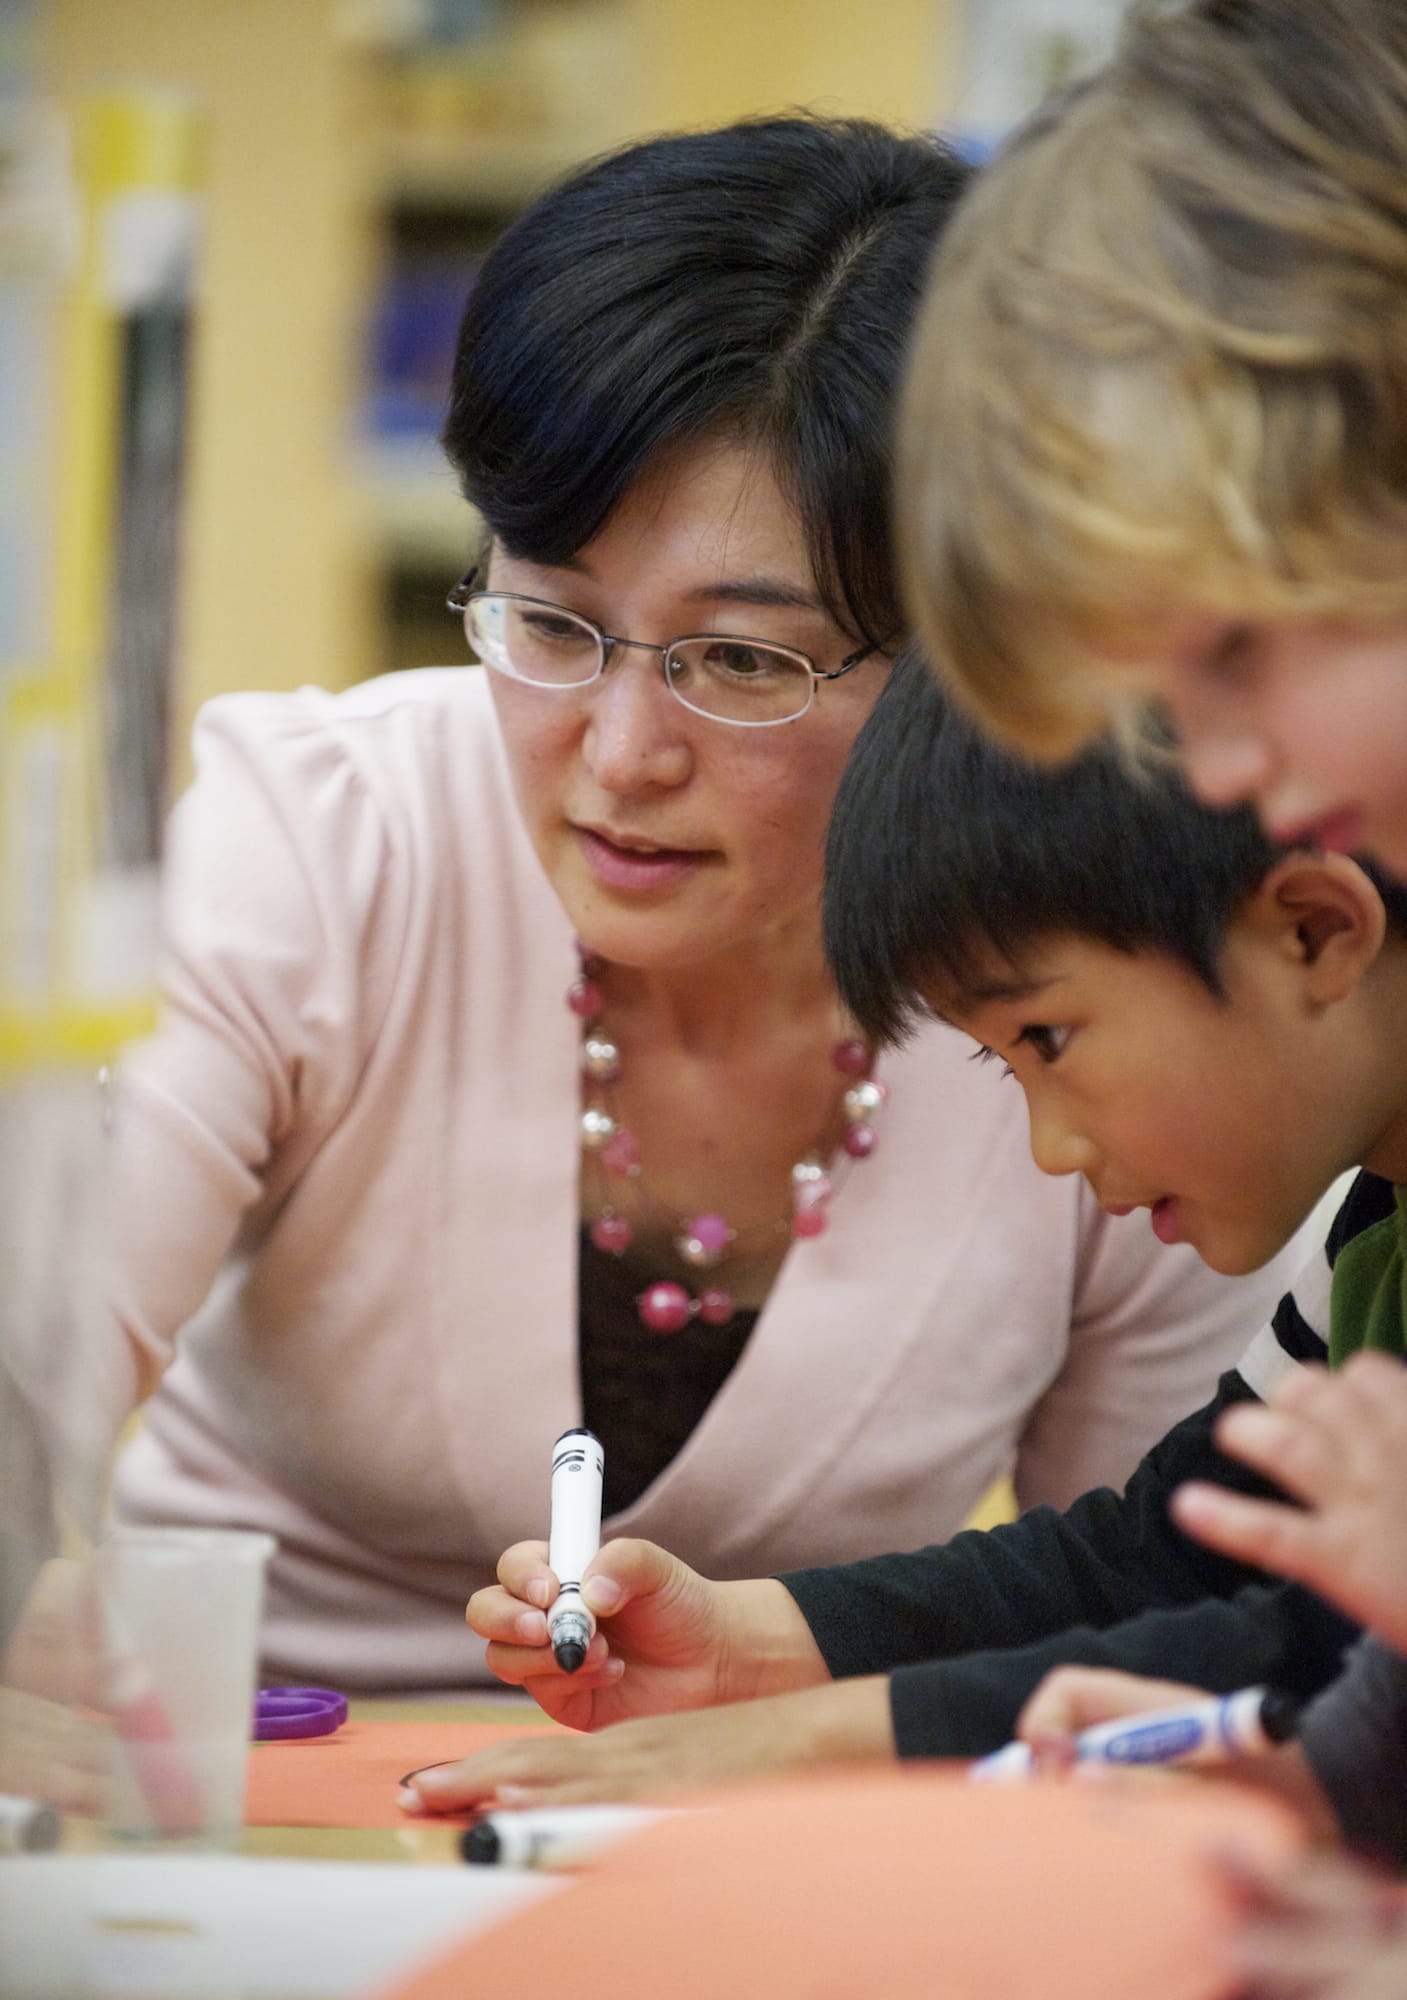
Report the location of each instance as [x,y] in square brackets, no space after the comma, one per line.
[1205,1026]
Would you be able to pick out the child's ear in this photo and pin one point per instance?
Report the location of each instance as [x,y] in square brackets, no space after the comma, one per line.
[1325,915]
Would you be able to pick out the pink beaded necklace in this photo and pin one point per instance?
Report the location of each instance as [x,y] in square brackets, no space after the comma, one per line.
[703,1240]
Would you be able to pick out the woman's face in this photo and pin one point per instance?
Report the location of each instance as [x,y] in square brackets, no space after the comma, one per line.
[673,839]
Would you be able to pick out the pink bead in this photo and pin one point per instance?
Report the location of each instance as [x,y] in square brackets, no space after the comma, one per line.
[810,1221]
[621,1152]
[611,1233]
[664,1307]
[715,1306]
[851,1058]
[812,1194]
[859,1142]
[711,1232]
[584,998]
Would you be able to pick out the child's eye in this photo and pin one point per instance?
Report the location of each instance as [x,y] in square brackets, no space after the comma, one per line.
[1048,1043]
[983,1054]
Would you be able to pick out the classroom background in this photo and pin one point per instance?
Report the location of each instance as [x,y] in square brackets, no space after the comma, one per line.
[235,239]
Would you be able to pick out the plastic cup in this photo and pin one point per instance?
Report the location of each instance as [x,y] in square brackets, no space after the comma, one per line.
[181,1610]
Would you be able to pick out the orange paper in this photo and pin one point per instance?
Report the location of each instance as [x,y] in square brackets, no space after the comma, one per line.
[351,1777]
[913,1885]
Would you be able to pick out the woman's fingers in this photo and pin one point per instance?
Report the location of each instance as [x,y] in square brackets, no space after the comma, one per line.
[51,1752]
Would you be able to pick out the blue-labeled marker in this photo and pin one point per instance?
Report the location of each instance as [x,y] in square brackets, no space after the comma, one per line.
[578,1466]
[1211,1731]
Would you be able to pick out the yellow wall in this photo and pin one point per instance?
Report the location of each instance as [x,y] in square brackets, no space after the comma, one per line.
[706,61]
[277,584]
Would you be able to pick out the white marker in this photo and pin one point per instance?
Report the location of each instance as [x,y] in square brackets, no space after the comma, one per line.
[553,1836]
[1211,1731]
[578,1465]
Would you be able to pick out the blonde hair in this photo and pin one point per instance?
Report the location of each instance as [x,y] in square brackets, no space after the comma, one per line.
[1162,364]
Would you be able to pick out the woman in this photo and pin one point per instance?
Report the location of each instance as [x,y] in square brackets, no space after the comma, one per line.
[419,1181]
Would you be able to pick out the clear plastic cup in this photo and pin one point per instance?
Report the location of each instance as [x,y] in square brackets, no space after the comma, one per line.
[181,1611]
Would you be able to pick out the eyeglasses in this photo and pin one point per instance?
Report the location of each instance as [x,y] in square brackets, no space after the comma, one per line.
[749,683]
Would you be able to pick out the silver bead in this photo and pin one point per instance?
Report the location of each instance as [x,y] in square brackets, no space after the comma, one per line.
[600,1058]
[596,1127]
[861,1100]
[809,1169]
[696,1253]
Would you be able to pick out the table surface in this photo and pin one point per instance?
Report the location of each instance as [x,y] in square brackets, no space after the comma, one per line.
[417,1841]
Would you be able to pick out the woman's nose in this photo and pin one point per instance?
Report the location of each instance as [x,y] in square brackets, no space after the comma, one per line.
[637,734]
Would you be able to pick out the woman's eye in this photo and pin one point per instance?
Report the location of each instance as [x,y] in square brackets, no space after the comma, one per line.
[742,662]
[1048,1043]
[548,630]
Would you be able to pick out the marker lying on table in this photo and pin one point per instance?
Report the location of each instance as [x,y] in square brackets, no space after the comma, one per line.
[578,1465]
[553,1836]
[27,1826]
[1210,1731]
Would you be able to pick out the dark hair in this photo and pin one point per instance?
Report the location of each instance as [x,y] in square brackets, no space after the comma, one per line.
[945,848]
[758,281]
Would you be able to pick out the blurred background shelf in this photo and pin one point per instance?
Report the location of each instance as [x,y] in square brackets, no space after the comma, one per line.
[363,156]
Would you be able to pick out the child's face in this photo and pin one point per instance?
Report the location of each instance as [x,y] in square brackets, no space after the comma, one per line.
[1215,1113]
[1307,718]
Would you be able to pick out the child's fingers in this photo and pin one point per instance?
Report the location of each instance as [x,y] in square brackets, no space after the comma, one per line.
[523,1572]
[1261,1532]
[1292,1447]
[519,1666]
[1070,1699]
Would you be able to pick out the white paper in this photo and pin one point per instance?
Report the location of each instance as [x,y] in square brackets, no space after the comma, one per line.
[199,1927]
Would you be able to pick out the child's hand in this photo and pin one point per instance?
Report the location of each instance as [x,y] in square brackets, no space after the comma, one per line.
[1339,1444]
[1325,1931]
[1070,1699]
[659,1756]
[667,1638]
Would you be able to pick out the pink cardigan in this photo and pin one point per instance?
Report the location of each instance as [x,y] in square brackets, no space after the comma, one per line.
[348,1189]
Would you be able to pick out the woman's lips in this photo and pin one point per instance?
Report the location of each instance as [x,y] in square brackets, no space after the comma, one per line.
[636,869]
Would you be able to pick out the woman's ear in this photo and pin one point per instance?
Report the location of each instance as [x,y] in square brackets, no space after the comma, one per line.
[1324,913]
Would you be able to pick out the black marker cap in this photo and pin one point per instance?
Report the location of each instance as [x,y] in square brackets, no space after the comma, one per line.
[1280,1715]
[569,1654]
[480,1843]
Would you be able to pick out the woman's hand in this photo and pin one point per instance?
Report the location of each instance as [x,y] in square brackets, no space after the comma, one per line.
[658,1756]
[667,1638]
[1338,1443]
[52,1752]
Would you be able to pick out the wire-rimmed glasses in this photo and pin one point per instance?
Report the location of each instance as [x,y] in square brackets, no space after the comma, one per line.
[750,683]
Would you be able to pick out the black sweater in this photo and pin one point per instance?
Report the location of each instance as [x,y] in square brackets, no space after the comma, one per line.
[968,1628]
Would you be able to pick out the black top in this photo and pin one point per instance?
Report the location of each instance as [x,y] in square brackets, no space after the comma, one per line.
[643,1393]
[969,1628]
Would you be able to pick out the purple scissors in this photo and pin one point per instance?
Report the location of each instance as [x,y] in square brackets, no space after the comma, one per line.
[282,1713]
